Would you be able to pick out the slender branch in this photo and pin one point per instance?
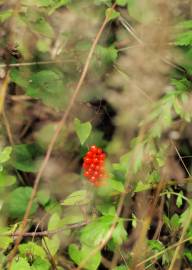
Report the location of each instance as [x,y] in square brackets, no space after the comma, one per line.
[54,139]
[45,233]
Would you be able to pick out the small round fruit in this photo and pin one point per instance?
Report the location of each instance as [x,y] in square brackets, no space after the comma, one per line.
[86,174]
[93,149]
[93,179]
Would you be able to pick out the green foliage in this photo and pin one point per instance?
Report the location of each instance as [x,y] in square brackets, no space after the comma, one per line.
[79,255]
[111,14]
[20,263]
[184,38]
[25,157]
[6,14]
[17,202]
[48,86]
[83,130]
[77,198]
[52,46]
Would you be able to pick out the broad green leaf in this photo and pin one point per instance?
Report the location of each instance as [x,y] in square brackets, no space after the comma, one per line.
[20,264]
[106,208]
[6,14]
[78,255]
[96,231]
[48,86]
[43,197]
[32,248]
[106,54]
[5,154]
[119,234]
[54,222]
[43,27]
[25,157]
[77,198]
[73,218]
[17,202]
[40,264]
[121,2]
[52,243]
[83,130]
[5,241]
[6,179]
[111,14]
[116,185]
[19,76]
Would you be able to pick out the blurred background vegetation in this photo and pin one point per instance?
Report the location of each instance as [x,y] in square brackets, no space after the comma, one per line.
[136,97]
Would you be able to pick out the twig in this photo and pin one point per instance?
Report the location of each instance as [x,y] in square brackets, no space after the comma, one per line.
[44,233]
[54,139]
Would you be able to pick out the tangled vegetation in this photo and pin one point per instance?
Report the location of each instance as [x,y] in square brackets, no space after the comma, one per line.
[96,146]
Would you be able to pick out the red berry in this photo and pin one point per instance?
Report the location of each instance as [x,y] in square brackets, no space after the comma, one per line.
[99,151]
[92,166]
[86,174]
[88,160]
[93,179]
[96,174]
[102,156]
[95,160]
[93,149]
[85,165]
[89,154]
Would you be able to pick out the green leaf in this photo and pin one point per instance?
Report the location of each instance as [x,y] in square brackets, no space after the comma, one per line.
[20,263]
[5,241]
[17,202]
[116,185]
[121,3]
[25,157]
[77,198]
[6,14]
[95,232]
[106,54]
[142,186]
[6,180]
[43,197]
[174,222]
[43,27]
[5,154]
[48,86]
[121,267]
[40,264]
[184,39]
[119,234]
[19,76]
[83,130]
[33,248]
[111,14]
[179,200]
[155,245]
[54,222]
[78,255]
[52,244]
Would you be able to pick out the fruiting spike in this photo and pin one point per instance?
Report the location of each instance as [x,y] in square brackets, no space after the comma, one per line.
[93,165]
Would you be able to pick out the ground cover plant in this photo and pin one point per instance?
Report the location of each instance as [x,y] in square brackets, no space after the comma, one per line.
[96,144]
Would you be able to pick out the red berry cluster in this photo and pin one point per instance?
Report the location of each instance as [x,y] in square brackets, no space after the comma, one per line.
[94,165]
